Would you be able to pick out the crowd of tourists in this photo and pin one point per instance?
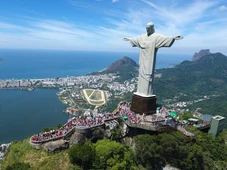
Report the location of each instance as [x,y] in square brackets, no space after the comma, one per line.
[53,134]
[90,120]
[86,121]
[124,110]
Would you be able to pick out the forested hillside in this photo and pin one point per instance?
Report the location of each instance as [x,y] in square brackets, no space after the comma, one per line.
[191,80]
[144,152]
[206,76]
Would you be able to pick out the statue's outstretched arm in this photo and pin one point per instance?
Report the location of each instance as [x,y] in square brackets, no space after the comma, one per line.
[178,37]
[126,39]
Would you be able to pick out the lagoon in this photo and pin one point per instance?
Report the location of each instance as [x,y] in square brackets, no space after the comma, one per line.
[23,113]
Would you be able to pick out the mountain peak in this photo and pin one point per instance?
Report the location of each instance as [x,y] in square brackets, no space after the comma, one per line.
[200,54]
[125,61]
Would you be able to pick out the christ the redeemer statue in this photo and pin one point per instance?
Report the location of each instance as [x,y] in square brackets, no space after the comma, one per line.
[149,44]
[144,101]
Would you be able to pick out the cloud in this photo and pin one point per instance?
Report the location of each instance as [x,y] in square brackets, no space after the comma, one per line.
[223,8]
[181,15]
[44,34]
[115,1]
[196,20]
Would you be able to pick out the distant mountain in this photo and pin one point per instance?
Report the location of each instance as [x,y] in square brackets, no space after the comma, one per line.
[200,54]
[126,67]
[206,76]
[122,64]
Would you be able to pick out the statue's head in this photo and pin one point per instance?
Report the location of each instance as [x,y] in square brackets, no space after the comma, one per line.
[150,28]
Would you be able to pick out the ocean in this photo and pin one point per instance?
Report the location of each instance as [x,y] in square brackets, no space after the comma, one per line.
[23,113]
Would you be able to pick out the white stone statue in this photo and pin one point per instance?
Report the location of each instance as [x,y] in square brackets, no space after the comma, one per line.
[149,44]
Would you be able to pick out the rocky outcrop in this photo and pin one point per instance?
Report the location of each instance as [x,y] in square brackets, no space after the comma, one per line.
[77,138]
[200,54]
[3,149]
[56,145]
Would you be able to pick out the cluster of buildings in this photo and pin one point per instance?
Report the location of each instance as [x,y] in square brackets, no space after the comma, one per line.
[103,81]
[13,83]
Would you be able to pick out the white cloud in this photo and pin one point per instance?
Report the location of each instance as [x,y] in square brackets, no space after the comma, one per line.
[115,1]
[196,21]
[181,15]
[223,8]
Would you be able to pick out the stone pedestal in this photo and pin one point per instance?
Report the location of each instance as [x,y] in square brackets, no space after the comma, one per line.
[142,104]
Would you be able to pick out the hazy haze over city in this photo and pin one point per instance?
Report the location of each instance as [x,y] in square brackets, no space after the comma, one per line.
[101,25]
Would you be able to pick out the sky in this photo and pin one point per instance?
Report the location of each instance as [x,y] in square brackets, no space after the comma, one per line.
[100,25]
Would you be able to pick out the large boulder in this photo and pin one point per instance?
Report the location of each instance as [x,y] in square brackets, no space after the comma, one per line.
[77,138]
[56,145]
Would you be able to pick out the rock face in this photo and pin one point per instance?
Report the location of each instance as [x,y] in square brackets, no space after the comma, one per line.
[3,149]
[56,145]
[77,138]
[200,54]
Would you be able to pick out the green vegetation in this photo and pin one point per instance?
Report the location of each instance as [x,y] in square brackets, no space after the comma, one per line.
[215,105]
[89,91]
[96,95]
[105,154]
[206,76]
[186,116]
[192,80]
[23,156]
[126,68]
[145,152]
[97,102]
[18,166]
[82,155]
[179,151]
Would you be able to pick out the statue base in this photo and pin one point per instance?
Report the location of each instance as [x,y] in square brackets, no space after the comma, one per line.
[141,104]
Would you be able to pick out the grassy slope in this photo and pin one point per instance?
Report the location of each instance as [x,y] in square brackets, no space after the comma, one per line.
[38,159]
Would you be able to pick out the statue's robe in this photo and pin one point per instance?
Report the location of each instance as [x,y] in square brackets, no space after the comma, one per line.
[148,48]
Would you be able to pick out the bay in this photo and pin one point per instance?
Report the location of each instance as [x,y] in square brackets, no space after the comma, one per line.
[21,64]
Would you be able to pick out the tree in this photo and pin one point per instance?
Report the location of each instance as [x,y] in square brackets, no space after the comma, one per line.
[111,155]
[148,151]
[186,116]
[82,155]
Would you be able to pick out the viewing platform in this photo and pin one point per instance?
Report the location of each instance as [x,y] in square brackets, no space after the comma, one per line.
[159,122]
[81,124]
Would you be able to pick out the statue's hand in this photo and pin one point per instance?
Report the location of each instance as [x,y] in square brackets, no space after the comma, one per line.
[126,39]
[178,37]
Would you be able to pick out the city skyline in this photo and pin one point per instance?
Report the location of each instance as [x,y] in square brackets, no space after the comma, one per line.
[100,25]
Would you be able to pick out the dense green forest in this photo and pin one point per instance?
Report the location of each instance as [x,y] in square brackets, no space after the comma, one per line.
[206,76]
[145,152]
[213,106]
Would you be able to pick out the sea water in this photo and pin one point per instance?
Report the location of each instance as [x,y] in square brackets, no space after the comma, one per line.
[23,113]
